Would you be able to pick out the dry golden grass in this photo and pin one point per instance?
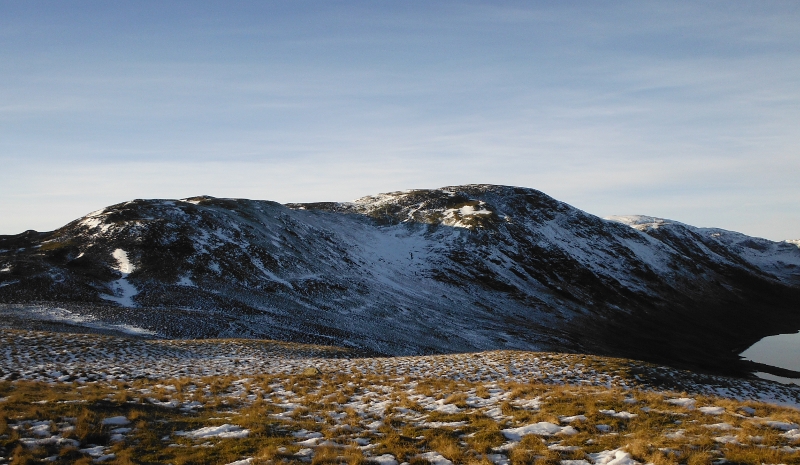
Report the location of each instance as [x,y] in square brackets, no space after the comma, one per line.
[323,396]
[486,434]
[459,399]
[445,444]
[524,454]
[401,446]
[480,460]
[353,456]
[325,454]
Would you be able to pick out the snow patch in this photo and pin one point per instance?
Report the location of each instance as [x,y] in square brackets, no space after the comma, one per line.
[116,421]
[124,265]
[246,461]
[542,428]
[684,402]
[222,431]
[792,435]
[641,222]
[66,316]
[612,457]
[781,425]
[124,291]
[385,459]
[623,415]
[435,458]
[712,410]
[720,426]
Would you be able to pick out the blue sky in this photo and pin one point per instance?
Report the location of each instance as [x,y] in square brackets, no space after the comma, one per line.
[684,110]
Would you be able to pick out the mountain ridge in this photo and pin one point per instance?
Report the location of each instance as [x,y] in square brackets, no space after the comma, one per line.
[459,268]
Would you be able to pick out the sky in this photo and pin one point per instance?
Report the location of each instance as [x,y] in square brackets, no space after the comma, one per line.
[681,110]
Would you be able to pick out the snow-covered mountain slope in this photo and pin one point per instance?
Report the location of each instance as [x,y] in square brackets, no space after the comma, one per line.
[778,259]
[454,269]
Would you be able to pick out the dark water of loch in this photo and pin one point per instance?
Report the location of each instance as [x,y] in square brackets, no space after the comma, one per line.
[782,350]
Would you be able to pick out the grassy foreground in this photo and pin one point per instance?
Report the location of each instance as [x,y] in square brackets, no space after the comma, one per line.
[355,417]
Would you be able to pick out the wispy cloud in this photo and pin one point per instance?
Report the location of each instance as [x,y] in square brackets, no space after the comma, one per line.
[676,109]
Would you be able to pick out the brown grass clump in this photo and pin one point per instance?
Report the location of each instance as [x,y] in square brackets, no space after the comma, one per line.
[353,456]
[759,455]
[266,454]
[22,456]
[459,399]
[700,457]
[325,454]
[404,402]
[531,449]
[448,446]
[125,457]
[481,460]
[520,390]
[401,446]
[486,435]
[87,428]
[84,461]
[641,449]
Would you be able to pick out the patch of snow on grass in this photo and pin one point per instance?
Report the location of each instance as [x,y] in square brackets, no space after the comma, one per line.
[443,424]
[116,421]
[222,431]
[675,435]
[781,425]
[712,410]
[542,428]
[246,461]
[95,451]
[792,435]
[435,458]
[623,415]
[532,404]
[720,426]
[572,418]
[684,402]
[385,459]
[305,434]
[612,457]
